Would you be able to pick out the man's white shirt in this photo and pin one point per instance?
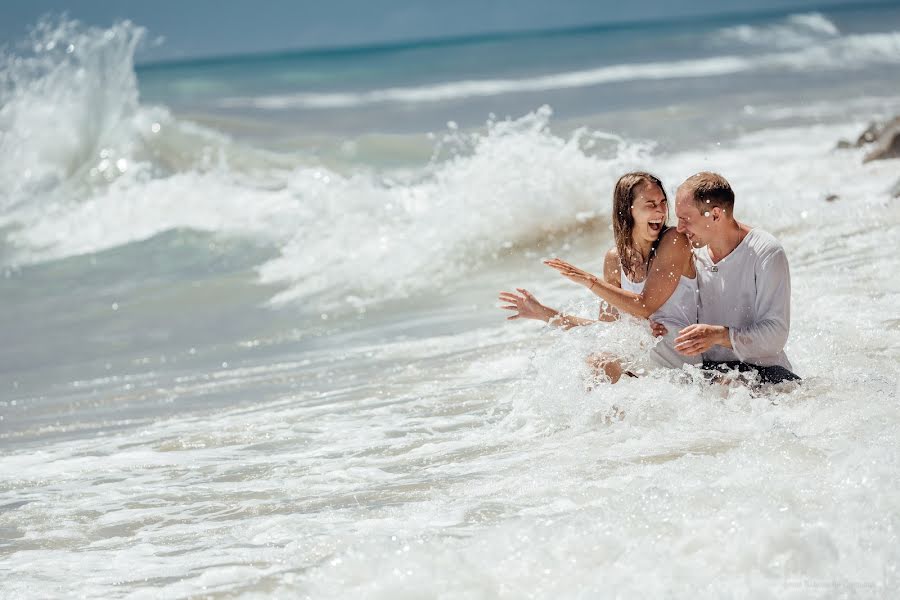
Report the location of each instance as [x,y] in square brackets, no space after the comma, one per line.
[748,291]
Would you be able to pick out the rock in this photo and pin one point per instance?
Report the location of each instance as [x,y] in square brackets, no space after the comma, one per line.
[831,197]
[895,191]
[887,145]
[870,134]
[873,133]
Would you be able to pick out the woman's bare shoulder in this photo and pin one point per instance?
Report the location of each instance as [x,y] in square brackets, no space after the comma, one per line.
[672,237]
[611,267]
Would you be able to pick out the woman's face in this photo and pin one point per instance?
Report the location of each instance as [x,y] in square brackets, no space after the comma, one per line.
[649,211]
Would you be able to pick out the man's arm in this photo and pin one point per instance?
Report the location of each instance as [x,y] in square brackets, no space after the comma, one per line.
[767,336]
[769,333]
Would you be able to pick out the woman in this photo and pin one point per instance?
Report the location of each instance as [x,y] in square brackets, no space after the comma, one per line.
[649,273]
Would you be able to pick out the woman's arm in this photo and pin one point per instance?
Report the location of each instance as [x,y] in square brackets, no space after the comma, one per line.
[671,259]
[611,276]
[528,307]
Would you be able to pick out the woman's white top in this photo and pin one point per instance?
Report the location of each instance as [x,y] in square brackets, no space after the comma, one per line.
[676,313]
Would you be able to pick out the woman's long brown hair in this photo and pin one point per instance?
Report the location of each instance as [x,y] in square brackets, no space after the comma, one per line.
[623,222]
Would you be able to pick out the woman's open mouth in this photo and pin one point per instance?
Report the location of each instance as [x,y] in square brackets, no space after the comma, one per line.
[655,225]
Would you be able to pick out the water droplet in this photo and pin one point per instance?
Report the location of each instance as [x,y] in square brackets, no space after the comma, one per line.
[70,49]
[115,306]
[155,128]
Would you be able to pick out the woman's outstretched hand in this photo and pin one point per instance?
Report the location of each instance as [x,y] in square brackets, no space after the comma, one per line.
[526,306]
[572,272]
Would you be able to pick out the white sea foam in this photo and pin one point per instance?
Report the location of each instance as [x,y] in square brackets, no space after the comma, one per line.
[62,103]
[494,87]
[512,186]
[455,479]
[796,31]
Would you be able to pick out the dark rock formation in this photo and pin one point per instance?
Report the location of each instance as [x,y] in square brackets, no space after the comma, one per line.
[875,132]
[887,144]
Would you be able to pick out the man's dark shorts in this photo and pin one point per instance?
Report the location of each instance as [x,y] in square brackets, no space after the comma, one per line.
[773,374]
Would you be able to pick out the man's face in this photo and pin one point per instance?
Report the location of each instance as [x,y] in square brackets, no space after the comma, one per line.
[691,222]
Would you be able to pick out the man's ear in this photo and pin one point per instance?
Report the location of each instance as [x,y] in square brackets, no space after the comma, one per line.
[717,213]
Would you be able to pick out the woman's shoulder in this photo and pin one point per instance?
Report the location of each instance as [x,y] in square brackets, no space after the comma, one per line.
[672,237]
[674,253]
[612,266]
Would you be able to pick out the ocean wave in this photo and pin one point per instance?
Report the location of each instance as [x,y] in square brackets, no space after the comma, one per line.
[71,123]
[495,87]
[91,169]
[826,52]
[62,100]
[363,237]
[514,186]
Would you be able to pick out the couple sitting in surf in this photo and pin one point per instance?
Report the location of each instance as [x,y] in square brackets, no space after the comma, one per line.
[716,290]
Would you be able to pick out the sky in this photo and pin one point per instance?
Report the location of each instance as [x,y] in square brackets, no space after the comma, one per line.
[186,29]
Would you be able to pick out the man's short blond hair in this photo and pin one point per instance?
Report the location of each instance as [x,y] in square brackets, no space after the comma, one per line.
[710,190]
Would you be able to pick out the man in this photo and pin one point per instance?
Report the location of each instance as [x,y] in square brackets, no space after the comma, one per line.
[744,283]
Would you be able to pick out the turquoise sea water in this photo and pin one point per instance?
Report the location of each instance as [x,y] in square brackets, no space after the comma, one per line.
[251,345]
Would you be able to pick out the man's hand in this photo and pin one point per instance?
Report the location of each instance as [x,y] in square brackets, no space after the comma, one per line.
[658,329]
[696,339]
[526,306]
[571,272]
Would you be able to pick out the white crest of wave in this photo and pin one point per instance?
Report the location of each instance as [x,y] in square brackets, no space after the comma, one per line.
[516,185]
[86,167]
[795,31]
[495,87]
[63,100]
